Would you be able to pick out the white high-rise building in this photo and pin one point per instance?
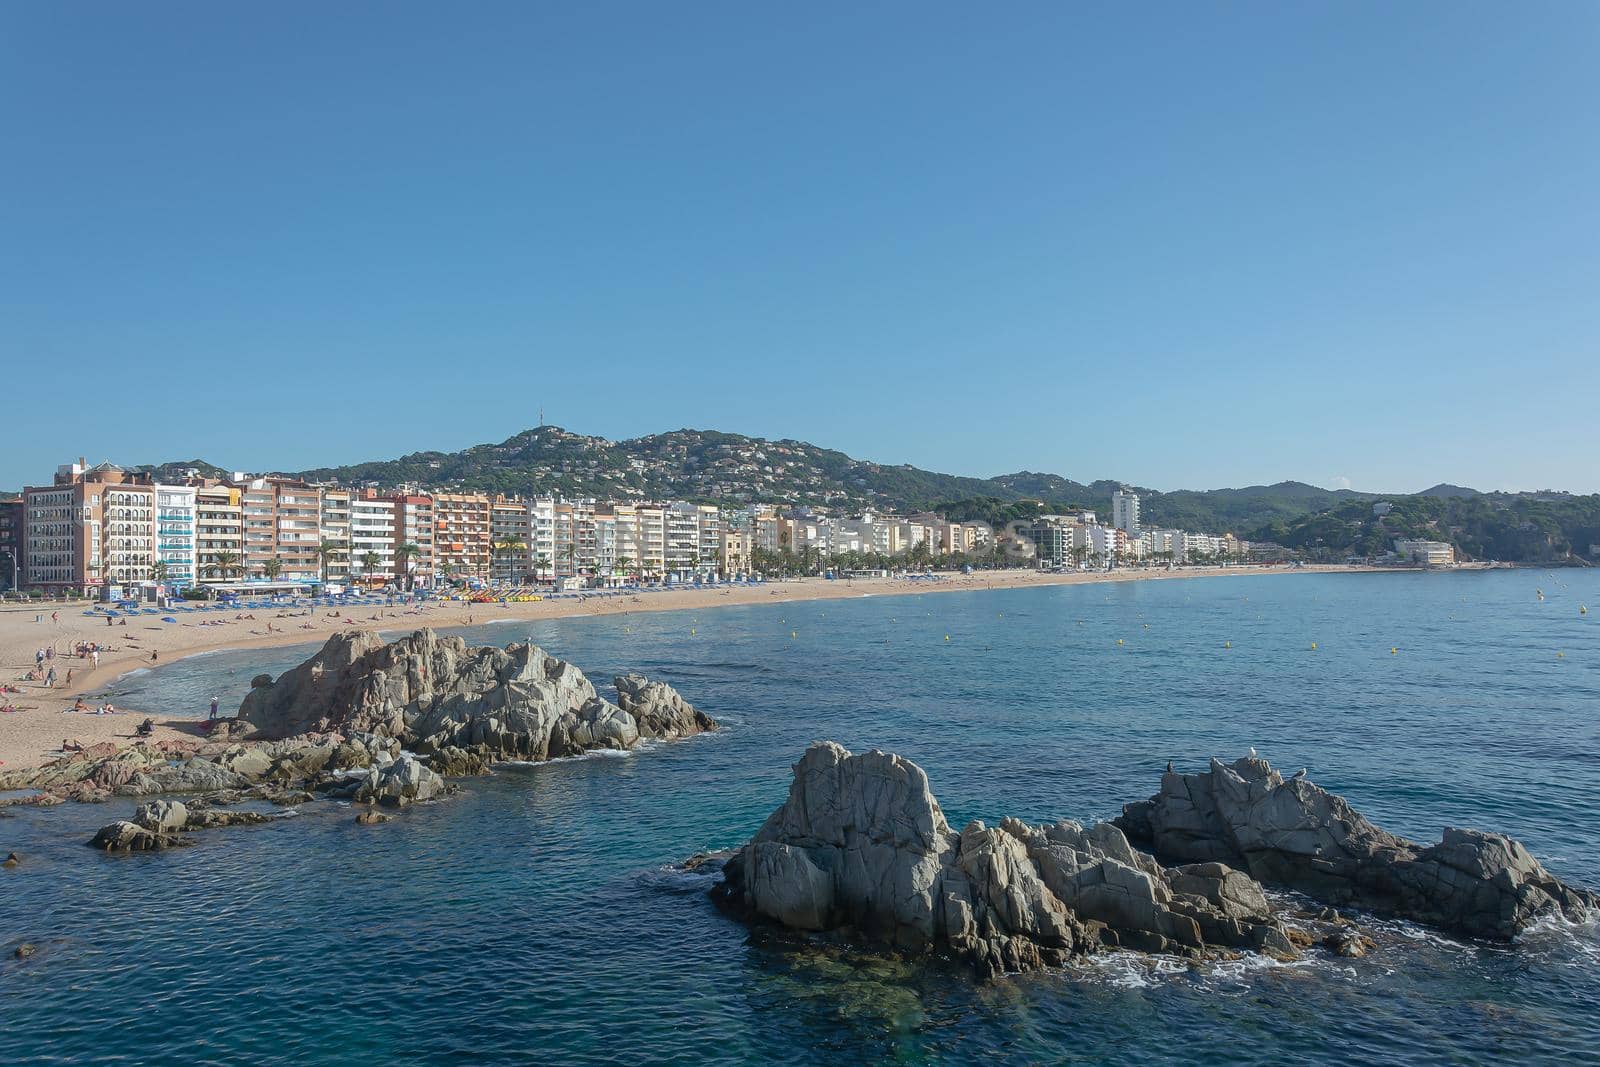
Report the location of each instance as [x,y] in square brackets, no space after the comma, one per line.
[1125,511]
[176,534]
[371,541]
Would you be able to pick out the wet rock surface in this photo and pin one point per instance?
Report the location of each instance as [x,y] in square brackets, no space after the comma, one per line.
[1295,834]
[438,695]
[862,847]
[860,851]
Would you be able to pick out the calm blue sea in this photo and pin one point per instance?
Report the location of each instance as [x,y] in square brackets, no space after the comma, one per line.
[536,919]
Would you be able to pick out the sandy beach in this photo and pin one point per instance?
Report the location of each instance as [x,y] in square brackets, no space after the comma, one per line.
[34,733]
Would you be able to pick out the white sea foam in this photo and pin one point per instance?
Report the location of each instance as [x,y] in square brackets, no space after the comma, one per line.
[1133,970]
[596,753]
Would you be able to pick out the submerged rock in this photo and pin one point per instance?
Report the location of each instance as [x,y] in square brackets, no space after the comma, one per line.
[1296,834]
[395,784]
[862,846]
[124,836]
[162,816]
[437,695]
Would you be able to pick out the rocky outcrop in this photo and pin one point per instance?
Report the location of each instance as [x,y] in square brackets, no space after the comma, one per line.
[1295,834]
[395,784]
[658,708]
[438,695]
[861,846]
[125,836]
[162,816]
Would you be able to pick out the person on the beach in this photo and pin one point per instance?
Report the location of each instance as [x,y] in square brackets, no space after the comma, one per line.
[50,678]
[153,656]
[213,709]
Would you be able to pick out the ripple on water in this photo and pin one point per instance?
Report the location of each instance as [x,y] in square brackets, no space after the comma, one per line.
[539,913]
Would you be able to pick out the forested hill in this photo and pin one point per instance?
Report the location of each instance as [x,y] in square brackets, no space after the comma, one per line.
[1514,527]
[734,469]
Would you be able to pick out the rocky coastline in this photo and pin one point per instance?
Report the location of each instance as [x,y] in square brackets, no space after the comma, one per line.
[372,723]
[861,852]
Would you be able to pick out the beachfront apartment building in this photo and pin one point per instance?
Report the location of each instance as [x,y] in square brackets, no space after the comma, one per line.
[333,536]
[92,527]
[736,547]
[1427,553]
[711,549]
[462,523]
[282,528]
[12,517]
[639,538]
[511,537]
[682,554]
[219,533]
[177,535]
[415,528]
[1125,511]
[253,528]
[372,540]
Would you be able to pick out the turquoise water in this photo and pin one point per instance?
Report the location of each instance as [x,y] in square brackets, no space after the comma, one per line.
[536,918]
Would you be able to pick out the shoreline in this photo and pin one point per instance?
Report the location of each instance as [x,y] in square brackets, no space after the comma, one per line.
[32,737]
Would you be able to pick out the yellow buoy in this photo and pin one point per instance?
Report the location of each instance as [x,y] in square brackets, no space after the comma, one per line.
[1313,646]
[1561,655]
[691,631]
[1227,644]
[947,637]
[1394,651]
[1119,640]
[794,633]
[1583,609]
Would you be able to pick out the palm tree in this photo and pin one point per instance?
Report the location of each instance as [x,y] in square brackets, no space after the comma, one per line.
[624,564]
[158,571]
[539,563]
[510,546]
[326,551]
[571,552]
[369,562]
[272,568]
[223,563]
[402,558]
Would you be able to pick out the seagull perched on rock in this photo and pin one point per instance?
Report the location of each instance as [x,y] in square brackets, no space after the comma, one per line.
[1301,773]
[1252,752]
[1169,766]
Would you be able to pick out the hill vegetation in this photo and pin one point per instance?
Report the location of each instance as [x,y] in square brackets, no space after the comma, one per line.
[1514,527]
[733,469]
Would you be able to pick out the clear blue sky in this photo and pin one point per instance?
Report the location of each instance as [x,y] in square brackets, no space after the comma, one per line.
[1186,245]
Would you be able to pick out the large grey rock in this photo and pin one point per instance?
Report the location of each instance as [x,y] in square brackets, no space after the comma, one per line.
[162,816]
[1296,834]
[861,844]
[436,694]
[124,836]
[658,708]
[398,783]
